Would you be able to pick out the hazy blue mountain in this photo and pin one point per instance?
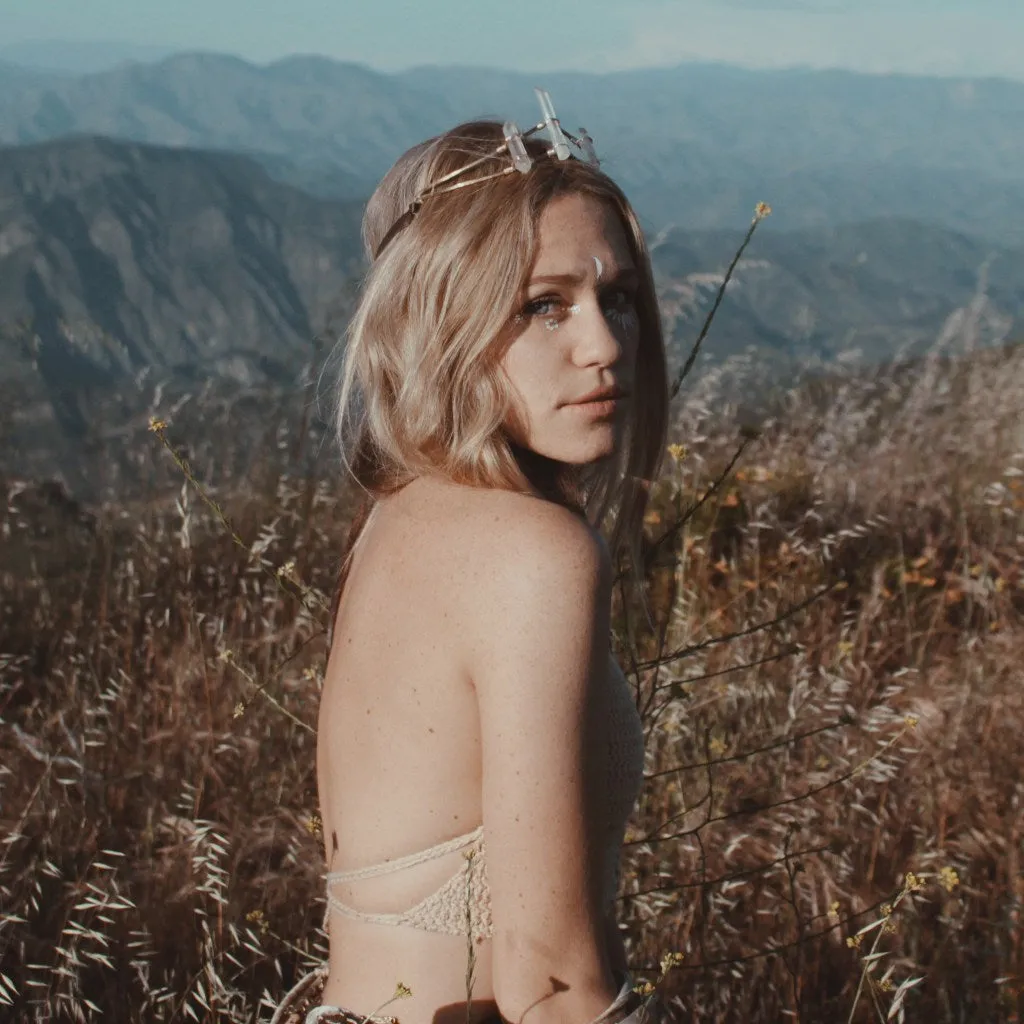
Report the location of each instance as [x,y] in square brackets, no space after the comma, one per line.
[82,56]
[696,145]
[857,292]
[133,275]
[121,262]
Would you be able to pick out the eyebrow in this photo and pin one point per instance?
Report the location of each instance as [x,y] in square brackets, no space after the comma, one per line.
[626,273]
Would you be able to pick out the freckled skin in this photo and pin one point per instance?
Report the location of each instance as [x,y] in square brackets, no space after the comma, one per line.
[586,337]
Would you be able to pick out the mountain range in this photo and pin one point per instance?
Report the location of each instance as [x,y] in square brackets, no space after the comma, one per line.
[133,276]
[185,234]
[695,145]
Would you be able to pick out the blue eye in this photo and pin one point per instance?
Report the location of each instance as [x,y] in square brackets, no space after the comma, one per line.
[540,307]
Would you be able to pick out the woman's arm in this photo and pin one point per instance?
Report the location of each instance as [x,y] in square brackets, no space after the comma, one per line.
[536,648]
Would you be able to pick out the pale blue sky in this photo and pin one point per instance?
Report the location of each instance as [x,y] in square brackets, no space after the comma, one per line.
[951,37]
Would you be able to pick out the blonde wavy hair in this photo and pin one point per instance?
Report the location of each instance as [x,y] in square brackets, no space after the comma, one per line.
[422,389]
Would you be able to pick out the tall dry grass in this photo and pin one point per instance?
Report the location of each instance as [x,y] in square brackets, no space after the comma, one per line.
[831,688]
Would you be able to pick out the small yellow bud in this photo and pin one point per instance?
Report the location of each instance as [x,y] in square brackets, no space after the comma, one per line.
[762,210]
[156,426]
[670,960]
[677,451]
[402,991]
[853,941]
[239,710]
[911,721]
[949,878]
[314,825]
[913,883]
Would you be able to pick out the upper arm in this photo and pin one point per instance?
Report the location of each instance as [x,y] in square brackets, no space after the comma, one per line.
[538,651]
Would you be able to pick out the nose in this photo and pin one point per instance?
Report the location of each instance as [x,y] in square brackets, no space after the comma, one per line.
[595,341]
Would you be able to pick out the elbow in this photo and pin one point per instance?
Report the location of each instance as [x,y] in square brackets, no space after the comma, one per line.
[550,987]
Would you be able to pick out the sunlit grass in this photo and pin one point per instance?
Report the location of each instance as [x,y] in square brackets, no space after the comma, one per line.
[832,692]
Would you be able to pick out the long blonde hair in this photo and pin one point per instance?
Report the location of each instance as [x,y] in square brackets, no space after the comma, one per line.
[421,385]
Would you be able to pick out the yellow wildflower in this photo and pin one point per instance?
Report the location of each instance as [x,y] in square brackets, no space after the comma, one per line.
[256,917]
[670,960]
[949,878]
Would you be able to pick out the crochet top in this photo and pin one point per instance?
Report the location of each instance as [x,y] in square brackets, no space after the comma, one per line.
[445,909]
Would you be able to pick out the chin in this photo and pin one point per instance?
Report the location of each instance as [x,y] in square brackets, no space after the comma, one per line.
[600,445]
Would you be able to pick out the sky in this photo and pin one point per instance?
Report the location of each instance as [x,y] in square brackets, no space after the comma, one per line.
[946,37]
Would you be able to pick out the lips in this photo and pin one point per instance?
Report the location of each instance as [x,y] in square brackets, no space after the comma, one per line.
[602,395]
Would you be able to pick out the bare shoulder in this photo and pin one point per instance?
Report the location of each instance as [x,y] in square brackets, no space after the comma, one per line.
[508,535]
[526,573]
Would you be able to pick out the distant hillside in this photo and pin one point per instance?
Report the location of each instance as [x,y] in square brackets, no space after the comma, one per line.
[857,292]
[118,259]
[695,145]
[133,275]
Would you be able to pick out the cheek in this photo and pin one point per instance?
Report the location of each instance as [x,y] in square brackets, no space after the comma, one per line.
[528,368]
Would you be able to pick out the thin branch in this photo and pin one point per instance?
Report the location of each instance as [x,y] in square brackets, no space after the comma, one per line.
[784,741]
[762,211]
[758,808]
[770,950]
[685,652]
[712,489]
[722,879]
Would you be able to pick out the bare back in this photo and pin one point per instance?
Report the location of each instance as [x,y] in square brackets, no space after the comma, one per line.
[399,747]
[398,758]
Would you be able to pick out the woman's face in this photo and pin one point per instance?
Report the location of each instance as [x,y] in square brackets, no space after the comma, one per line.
[577,330]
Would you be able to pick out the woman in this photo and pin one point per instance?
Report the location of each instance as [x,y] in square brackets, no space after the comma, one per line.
[478,748]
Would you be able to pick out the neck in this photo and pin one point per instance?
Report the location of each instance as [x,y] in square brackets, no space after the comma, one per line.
[548,478]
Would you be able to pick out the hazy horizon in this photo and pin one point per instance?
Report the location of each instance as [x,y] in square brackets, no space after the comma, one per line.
[946,38]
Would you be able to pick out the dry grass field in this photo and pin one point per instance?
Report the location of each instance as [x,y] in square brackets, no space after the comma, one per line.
[833,820]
